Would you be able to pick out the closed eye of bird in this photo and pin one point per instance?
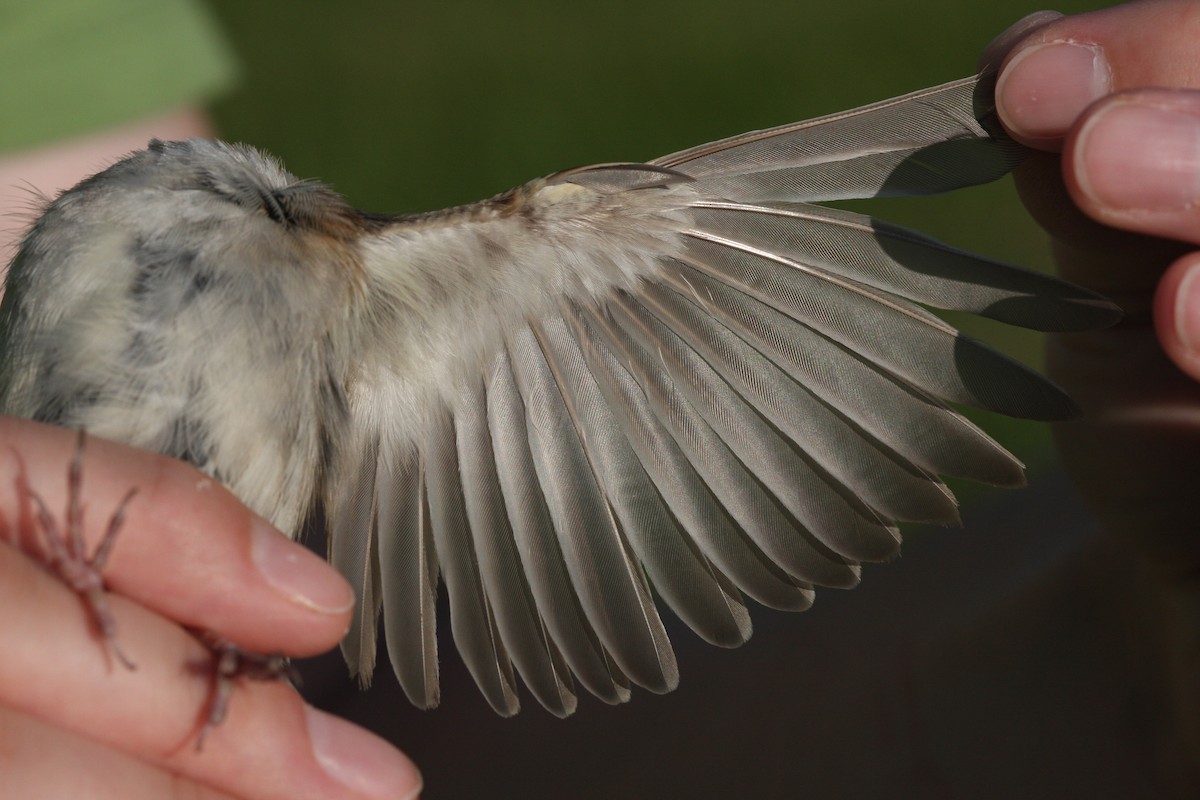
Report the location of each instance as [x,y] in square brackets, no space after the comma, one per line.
[679,377]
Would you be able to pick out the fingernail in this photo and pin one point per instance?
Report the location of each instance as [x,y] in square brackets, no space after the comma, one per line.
[297,574]
[359,760]
[998,48]
[1187,311]
[1131,156]
[1045,88]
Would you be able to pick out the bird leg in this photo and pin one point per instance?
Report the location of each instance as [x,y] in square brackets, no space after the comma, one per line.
[231,663]
[66,552]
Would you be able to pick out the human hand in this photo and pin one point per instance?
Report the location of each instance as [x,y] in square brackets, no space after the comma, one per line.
[1117,92]
[1130,161]
[74,723]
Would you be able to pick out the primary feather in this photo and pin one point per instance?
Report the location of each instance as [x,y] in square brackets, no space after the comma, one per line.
[677,378]
[725,389]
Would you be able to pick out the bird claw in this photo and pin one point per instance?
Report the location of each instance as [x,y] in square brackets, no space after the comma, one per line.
[65,552]
[231,663]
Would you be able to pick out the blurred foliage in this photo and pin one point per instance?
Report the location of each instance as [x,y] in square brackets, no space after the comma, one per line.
[413,106]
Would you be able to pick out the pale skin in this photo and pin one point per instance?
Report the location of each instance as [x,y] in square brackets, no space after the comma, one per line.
[187,543]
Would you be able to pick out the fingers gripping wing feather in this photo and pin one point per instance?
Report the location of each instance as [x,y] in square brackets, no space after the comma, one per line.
[677,378]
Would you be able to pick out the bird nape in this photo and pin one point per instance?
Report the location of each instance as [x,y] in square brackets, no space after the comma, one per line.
[679,378]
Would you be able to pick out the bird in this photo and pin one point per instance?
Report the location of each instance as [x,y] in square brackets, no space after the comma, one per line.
[683,382]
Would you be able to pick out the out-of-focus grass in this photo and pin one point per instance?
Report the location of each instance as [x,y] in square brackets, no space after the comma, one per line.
[412,106]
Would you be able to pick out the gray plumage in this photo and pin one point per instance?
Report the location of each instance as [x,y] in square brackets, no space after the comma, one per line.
[677,379]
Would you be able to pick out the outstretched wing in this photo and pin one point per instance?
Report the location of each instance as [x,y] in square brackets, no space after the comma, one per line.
[675,378]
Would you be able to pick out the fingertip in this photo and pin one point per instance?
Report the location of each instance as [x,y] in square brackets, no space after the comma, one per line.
[360,760]
[1134,163]
[298,575]
[1004,43]
[206,560]
[1044,88]
[1177,314]
[1131,154]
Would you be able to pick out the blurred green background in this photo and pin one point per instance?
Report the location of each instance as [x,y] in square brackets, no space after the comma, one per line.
[414,106]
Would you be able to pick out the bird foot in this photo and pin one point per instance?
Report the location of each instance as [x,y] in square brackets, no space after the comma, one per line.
[232,663]
[65,552]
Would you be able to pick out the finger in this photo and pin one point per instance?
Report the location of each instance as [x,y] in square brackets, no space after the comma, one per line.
[270,746]
[999,48]
[1121,265]
[1133,454]
[1134,163]
[1064,65]
[1177,314]
[39,760]
[188,549]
